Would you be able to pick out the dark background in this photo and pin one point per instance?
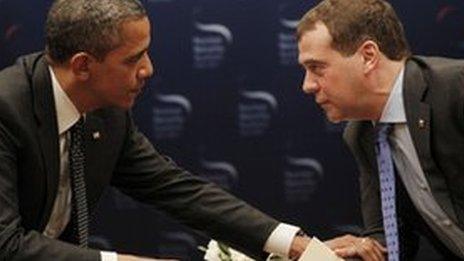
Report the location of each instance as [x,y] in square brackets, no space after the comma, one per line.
[226,103]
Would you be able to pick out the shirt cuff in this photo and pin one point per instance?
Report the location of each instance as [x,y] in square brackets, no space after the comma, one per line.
[108,256]
[280,240]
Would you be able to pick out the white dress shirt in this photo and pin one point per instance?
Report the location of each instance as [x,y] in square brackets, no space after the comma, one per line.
[279,241]
[412,175]
[67,115]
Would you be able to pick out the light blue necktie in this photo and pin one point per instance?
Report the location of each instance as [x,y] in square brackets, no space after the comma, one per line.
[387,188]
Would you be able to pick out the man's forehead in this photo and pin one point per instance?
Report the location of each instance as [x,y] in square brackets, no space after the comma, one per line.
[319,34]
[313,44]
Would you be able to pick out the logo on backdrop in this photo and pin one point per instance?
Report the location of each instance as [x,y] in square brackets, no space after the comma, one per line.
[11,31]
[286,42]
[209,45]
[445,12]
[255,111]
[302,177]
[449,19]
[220,172]
[169,115]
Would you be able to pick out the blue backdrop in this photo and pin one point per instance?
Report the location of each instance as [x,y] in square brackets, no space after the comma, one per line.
[226,103]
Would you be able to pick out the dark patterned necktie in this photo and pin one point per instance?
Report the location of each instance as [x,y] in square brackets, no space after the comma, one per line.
[387,188]
[79,212]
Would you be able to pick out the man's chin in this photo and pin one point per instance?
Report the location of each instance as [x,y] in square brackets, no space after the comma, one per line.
[333,118]
[334,121]
[125,105]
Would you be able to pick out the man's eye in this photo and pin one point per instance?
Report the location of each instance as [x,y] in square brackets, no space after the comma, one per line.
[133,59]
[316,69]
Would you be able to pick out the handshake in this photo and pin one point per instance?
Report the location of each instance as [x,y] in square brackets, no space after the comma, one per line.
[303,249]
[351,247]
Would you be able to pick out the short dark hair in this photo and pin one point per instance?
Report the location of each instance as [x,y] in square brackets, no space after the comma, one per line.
[352,22]
[92,26]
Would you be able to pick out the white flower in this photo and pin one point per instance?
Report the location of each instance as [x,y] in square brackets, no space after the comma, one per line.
[214,253]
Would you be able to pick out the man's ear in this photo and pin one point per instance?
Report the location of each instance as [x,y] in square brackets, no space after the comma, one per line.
[370,54]
[80,65]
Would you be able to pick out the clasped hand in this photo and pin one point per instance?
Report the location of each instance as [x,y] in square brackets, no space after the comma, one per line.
[349,246]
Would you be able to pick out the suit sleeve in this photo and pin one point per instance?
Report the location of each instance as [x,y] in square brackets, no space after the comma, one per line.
[16,242]
[147,176]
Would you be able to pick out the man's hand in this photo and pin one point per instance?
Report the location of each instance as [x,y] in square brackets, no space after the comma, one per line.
[298,246]
[122,257]
[364,247]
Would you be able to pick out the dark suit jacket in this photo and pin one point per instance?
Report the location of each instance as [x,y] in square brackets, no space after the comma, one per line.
[433,92]
[123,157]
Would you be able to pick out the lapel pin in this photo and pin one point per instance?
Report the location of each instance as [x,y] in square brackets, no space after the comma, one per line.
[96,135]
[421,124]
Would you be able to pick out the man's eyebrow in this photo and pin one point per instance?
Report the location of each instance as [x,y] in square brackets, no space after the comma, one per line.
[137,55]
[312,62]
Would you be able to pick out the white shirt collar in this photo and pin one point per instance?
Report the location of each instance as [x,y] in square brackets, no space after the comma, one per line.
[393,112]
[66,113]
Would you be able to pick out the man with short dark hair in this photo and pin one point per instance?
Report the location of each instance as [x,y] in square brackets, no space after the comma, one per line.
[406,126]
[66,134]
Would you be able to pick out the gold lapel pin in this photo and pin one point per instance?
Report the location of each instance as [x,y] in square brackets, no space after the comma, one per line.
[422,124]
[96,135]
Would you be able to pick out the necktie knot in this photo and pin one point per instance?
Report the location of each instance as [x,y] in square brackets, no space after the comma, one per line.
[78,126]
[383,130]
[77,132]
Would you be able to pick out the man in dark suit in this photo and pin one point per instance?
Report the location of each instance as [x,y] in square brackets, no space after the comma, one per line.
[66,134]
[359,68]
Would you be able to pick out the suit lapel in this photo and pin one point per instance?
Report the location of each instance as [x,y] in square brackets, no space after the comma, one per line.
[95,138]
[417,109]
[368,142]
[368,136]
[44,109]
[48,139]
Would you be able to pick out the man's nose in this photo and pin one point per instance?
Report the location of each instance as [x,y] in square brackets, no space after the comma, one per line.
[309,84]
[147,69]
